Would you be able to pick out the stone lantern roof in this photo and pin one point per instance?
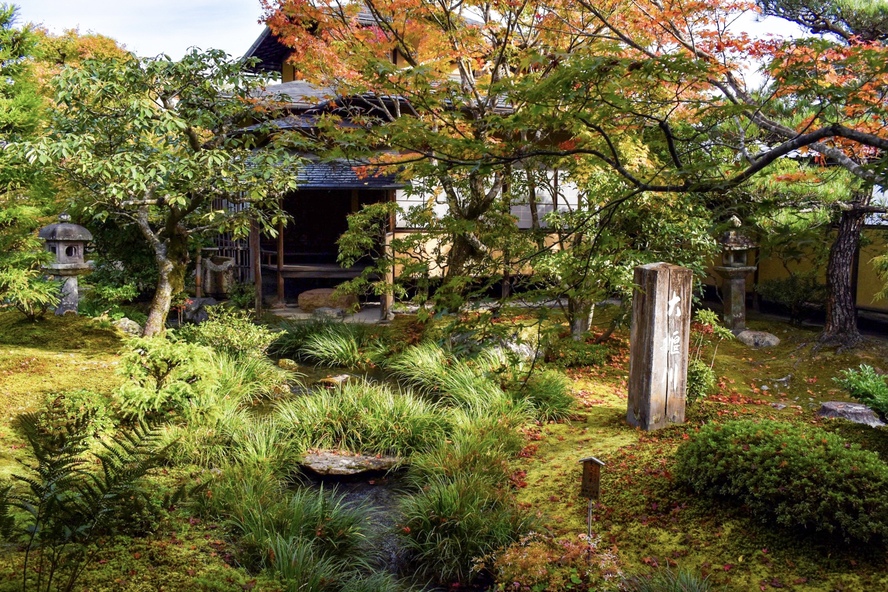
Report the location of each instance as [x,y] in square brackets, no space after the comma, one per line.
[732,240]
[65,231]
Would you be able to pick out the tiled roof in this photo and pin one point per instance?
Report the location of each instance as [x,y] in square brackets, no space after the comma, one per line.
[340,174]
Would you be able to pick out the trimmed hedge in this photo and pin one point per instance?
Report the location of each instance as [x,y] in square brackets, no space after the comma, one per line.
[800,476]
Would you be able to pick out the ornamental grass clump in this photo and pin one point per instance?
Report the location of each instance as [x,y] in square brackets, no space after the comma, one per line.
[364,417]
[797,476]
[547,393]
[452,523]
[310,539]
[331,343]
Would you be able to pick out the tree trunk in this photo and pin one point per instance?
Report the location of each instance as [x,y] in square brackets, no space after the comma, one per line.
[579,316]
[171,256]
[841,312]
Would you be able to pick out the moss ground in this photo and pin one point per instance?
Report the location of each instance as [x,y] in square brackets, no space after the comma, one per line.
[649,521]
[643,517]
[56,354]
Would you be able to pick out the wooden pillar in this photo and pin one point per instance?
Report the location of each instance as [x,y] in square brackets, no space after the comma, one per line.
[281,299]
[198,276]
[658,358]
[387,298]
[255,248]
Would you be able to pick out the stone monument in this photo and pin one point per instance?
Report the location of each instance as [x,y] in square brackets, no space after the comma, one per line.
[658,358]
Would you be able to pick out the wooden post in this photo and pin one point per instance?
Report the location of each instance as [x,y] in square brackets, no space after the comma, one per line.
[281,299]
[255,246]
[658,345]
[387,298]
[198,276]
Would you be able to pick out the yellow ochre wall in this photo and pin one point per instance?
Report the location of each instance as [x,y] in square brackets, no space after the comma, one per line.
[868,282]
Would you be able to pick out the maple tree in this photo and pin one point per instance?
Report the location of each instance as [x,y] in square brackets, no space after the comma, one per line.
[496,88]
[156,144]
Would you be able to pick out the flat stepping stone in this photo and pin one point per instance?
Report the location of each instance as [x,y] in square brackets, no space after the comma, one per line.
[334,462]
[758,339]
[856,412]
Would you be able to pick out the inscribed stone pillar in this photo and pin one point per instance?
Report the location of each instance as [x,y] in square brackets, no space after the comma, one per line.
[658,358]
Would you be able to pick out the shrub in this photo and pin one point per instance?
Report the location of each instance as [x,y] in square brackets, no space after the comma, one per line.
[538,562]
[868,387]
[296,535]
[230,331]
[468,452]
[548,393]
[667,580]
[701,380]
[798,293]
[364,417]
[800,477]
[453,522]
[80,404]
[28,293]
[107,299]
[164,376]
[568,353]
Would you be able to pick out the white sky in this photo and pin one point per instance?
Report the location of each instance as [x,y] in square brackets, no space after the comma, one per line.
[151,27]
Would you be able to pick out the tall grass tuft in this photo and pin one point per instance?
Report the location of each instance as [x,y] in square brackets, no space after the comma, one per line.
[331,343]
[548,394]
[468,452]
[364,417]
[293,534]
[249,379]
[453,522]
[421,366]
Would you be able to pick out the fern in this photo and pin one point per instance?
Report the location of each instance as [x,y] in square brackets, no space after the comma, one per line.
[66,505]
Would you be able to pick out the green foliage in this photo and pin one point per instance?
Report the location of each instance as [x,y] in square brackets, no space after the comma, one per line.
[799,293]
[868,387]
[666,580]
[249,379]
[309,538]
[467,452]
[106,300]
[797,476]
[568,353]
[81,404]
[706,332]
[348,345]
[548,393]
[146,141]
[164,376]
[331,343]
[452,523]
[67,503]
[364,417]
[242,295]
[701,380]
[230,331]
[28,293]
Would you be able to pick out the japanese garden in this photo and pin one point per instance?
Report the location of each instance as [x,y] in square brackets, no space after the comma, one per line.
[421,295]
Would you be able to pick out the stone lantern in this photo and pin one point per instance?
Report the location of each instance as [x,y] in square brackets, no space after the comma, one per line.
[734,268]
[67,242]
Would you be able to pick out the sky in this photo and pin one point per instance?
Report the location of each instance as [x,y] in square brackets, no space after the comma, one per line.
[151,27]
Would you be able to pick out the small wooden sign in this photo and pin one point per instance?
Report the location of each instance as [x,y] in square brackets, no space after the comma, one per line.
[591,485]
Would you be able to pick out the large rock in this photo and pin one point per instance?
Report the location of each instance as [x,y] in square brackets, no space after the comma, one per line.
[128,326]
[195,310]
[332,462]
[758,339]
[323,298]
[856,412]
